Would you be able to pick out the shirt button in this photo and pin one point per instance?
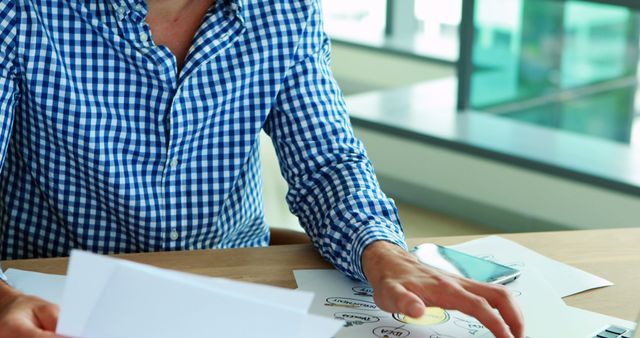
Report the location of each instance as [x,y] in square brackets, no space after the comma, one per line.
[121,11]
[144,37]
[139,8]
[173,164]
[174,235]
[234,7]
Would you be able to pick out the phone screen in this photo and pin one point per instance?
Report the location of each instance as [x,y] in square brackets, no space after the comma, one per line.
[464,265]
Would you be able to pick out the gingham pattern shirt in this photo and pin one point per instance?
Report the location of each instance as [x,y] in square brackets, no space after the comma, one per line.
[106,147]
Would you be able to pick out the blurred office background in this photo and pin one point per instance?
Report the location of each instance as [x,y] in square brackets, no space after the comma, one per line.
[490,115]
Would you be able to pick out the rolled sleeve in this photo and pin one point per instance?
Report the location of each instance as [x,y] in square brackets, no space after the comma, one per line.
[371,233]
[3,278]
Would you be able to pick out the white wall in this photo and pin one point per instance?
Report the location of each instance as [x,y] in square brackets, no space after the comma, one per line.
[372,70]
[274,189]
[506,188]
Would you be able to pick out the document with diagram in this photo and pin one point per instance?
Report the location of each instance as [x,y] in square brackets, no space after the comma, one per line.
[352,302]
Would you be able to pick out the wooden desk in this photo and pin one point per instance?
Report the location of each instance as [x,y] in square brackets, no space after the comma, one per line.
[612,254]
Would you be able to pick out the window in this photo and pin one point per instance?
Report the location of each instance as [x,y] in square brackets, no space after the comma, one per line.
[571,65]
[566,64]
[426,28]
[437,28]
[362,21]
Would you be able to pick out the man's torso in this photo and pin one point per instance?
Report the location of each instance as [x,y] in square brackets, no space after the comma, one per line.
[114,150]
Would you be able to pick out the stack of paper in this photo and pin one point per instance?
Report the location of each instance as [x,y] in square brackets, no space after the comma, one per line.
[110,298]
[45,286]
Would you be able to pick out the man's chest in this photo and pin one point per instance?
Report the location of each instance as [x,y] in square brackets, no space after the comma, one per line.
[85,71]
[176,28]
[100,90]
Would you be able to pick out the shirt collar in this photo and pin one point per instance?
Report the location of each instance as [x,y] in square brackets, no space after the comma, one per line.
[124,8]
[239,3]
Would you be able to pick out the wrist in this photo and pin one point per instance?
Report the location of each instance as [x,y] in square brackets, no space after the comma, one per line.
[379,255]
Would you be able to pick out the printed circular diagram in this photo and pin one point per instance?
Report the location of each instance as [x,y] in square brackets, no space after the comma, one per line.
[471,325]
[350,303]
[390,332]
[355,318]
[432,316]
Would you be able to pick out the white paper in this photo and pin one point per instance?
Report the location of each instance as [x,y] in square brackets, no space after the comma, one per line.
[565,279]
[351,301]
[584,324]
[46,286]
[109,298]
[578,323]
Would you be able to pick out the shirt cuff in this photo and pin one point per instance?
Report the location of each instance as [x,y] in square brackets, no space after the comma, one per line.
[3,278]
[372,233]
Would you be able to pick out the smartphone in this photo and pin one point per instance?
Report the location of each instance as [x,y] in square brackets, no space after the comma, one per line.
[464,265]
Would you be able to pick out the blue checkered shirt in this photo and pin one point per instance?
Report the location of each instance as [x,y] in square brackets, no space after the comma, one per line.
[107,147]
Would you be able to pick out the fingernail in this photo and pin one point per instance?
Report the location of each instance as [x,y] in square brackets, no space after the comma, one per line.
[416,309]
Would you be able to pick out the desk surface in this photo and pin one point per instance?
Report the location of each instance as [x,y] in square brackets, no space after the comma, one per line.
[612,254]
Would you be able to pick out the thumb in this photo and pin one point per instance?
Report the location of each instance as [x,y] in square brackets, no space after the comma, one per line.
[47,316]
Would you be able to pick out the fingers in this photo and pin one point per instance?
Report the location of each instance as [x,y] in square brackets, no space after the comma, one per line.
[402,284]
[472,298]
[27,317]
[41,334]
[500,298]
[396,298]
[481,309]
[47,316]
[26,331]
[47,335]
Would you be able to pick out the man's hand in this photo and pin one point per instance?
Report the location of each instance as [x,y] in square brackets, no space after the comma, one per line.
[402,284]
[24,316]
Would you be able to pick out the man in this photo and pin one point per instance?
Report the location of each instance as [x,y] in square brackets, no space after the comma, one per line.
[129,126]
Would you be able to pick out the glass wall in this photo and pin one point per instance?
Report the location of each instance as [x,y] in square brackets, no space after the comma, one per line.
[426,28]
[437,24]
[563,64]
[567,64]
[363,21]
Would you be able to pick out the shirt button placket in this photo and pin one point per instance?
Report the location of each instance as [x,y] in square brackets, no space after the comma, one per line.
[174,235]
[121,11]
[174,163]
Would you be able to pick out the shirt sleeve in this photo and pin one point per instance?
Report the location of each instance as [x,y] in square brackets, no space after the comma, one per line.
[3,278]
[8,87]
[333,189]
